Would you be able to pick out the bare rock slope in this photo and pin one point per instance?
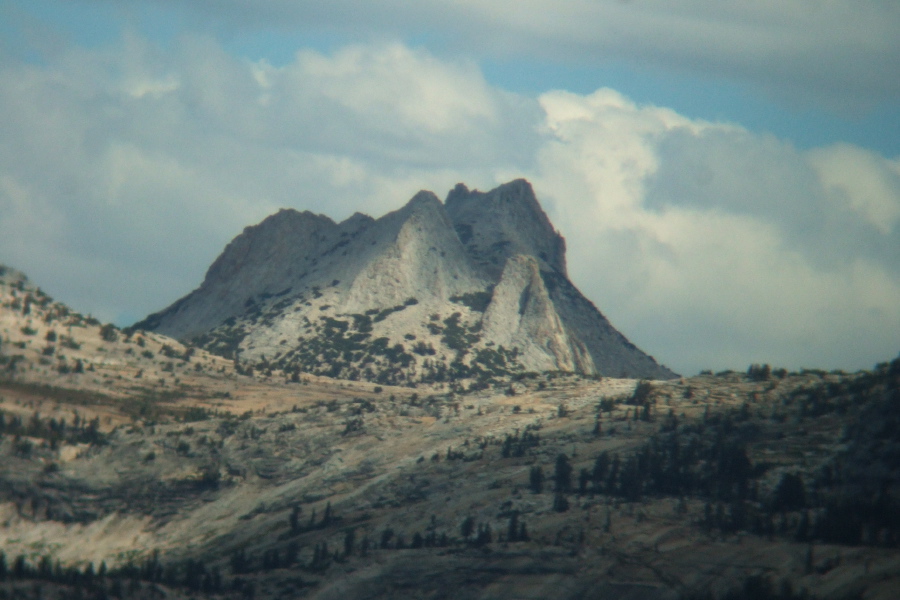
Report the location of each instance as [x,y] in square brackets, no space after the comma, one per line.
[472,288]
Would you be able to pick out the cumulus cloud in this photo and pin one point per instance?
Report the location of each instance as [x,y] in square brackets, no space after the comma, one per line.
[720,244]
[862,182]
[125,170]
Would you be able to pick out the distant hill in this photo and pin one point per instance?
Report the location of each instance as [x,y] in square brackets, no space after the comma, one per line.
[45,341]
[472,288]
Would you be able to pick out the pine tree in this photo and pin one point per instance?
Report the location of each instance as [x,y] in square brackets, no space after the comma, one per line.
[598,474]
[239,562]
[349,541]
[295,518]
[512,534]
[562,475]
[20,567]
[560,502]
[523,533]
[386,536]
[327,517]
[467,527]
[536,479]
[485,535]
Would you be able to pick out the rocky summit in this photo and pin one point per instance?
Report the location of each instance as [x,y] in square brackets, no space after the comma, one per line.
[467,290]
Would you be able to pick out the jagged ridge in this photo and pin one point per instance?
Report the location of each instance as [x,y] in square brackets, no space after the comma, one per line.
[475,287]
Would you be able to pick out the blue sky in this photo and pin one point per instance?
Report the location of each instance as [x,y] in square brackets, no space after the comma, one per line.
[727,176]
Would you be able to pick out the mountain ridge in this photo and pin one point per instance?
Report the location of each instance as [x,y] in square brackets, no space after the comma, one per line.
[409,297]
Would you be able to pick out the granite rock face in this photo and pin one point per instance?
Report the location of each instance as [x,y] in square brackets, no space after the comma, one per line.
[471,288]
[502,223]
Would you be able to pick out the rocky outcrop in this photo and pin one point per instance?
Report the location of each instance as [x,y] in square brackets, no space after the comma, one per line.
[422,258]
[474,287]
[522,315]
[505,222]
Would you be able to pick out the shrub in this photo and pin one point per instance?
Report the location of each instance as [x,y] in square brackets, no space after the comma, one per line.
[759,372]
[641,393]
[476,301]
[109,333]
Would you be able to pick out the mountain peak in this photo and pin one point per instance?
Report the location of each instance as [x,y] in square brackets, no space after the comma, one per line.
[505,221]
[475,286]
[424,198]
[458,192]
[289,218]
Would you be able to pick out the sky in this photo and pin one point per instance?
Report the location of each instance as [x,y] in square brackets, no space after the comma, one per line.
[726,175]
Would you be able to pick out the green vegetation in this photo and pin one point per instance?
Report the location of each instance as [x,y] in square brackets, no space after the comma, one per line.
[49,579]
[224,340]
[69,342]
[53,431]
[385,313]
[109,333]
[477,301]
[455,336]
[853,501]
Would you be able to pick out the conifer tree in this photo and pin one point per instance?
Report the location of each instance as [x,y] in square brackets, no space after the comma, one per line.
[560,503]
[349,541]
[562,475]
[467,527]
[295,518]
[512,534]
[536,479]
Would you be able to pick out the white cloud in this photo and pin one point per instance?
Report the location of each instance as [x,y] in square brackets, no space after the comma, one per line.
[719,245]
[840,52]
[152,159]
[124,171]
[861,181]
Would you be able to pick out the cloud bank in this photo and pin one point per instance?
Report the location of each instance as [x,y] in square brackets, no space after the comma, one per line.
[124,171]
[838,53]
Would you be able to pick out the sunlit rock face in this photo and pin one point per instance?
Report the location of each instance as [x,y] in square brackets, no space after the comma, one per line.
[471,288]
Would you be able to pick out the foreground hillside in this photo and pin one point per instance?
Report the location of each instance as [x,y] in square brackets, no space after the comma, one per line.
[168,474]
